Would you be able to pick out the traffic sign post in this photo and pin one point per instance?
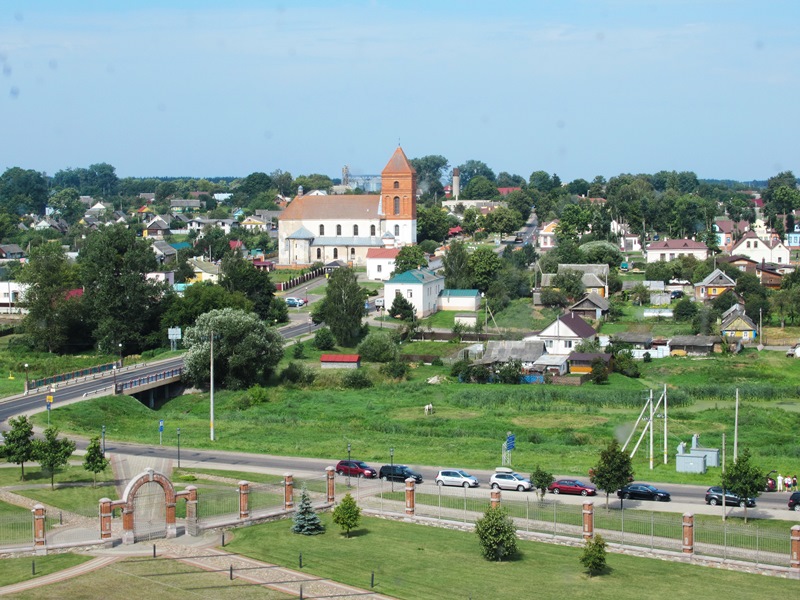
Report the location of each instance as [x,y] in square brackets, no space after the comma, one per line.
[508,446]
[160,431]
[49,401]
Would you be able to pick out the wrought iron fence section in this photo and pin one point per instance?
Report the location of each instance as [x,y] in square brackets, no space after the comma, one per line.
[16,530]
[217,503]
[735,541]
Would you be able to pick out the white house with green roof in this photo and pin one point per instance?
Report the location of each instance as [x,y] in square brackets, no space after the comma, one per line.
[420,287]
[459,300]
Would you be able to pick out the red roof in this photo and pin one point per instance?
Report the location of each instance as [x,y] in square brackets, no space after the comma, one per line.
[383,252]
[340,358]
[677,245]
[455,230]
[505,191]
[76,293]
[235,244]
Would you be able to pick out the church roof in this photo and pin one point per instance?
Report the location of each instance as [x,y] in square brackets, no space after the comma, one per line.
[399,163]
[302,234]
[333,207]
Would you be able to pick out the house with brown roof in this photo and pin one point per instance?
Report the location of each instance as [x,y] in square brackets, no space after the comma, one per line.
[716,284]
[754,248]
[666,250]
[728,232]
[324,228]
[564,334]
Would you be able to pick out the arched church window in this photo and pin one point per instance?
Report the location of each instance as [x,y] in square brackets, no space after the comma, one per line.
[397,230]
[322,229]
[352,252]
[335,253]
[355,230]
[397,205]
[338,230]
[397,185]
[319,253]
[372,230]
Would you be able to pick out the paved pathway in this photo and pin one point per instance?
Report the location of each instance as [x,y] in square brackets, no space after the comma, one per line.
[128,466]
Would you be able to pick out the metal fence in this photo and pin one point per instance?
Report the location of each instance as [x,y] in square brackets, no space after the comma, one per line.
[738,541]
[16,531]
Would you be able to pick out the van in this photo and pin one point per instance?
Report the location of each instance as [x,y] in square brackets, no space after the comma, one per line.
[379,302]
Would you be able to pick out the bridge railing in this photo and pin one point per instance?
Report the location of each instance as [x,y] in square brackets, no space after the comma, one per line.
[147,379]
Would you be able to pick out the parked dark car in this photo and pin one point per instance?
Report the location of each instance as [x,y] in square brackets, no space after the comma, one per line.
[714,497]
[794,501]
[642,491]
[398,473]
[572,486]
[676,295]
[355,468]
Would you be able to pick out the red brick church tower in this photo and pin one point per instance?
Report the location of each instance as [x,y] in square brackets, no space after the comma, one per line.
[399,198]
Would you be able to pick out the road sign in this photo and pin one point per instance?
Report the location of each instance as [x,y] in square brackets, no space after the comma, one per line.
[174,333]
[161,425]
[49,401]
[511,441]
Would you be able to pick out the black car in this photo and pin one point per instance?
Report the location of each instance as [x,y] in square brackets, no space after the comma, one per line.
[398,473]
[643,491]
[794,502]
[676,295]
[714,497]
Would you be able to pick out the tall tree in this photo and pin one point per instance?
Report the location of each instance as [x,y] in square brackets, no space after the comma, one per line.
[457,274]
[410,258]
[239,275]
[68,205]
[430,170]
[119,298]
[23,191]
[19,447]
[484,264]
[95,460]
[474,168]
[246,350]
[53,452]
[613,470]
[480,187]
[344,306]
[48,276]
[431,224]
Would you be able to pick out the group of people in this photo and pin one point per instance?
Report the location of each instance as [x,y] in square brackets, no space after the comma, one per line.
[787,484]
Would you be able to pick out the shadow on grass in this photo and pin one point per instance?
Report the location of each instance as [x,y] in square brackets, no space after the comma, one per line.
[355,533]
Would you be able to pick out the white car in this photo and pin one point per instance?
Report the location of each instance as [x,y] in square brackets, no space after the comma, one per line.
[296,302]
[456,477]
[506,479]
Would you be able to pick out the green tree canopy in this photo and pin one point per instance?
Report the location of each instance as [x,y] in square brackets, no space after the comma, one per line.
[19,447]
[23,191]
[343,306]
[94,460]
[497,535]
[347,514]
[484,264]
[246,350]
[53,452]
[743,478]
[432,224]
[410,258]
[613,470]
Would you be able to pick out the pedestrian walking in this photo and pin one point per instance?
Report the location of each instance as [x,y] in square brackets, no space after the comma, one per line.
[794,483]
[780,482]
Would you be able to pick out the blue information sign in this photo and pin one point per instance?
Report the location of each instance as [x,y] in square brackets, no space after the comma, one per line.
[511,442]
[161,426]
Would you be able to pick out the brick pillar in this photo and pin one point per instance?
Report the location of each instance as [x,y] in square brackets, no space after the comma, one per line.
[795,560]
[244,493]
[288,491]
[191,511]
[39,539]
[688,533]
[172,527]
[127,524]
[495,498]
[410,500]
[330,472]
[105,518]
[588,520]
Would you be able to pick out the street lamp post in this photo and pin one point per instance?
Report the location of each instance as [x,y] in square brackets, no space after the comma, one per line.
[179,447]
[114,370]
[103,434]
[348,465]
[27,384]
[121,360]
[391,472]
[212,387]
[380,315]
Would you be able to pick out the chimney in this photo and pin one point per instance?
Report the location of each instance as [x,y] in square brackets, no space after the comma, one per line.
[456,183]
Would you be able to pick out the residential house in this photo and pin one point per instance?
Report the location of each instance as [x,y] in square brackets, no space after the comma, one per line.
[592,306]
[630,242]
[185,205]
[770,275]
[157,228]
[460,300]
[581,362]
[420,287]
[634,341]
[553,364]
[199,224]
[164,252]
[167,277]
[594,278]
[728,232]
[564,334]
[254,223]
[716,284]
[547,236]
[11,252]
[380,263]
[148,197]
[759,250]
[695,345]
[59,225]
[11,293]
[498,353]
[204,270]
[736,324]
[667,250]
[99,208]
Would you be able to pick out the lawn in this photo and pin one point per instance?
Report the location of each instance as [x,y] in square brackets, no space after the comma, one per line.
[415,561]
[34,474]
[16,570]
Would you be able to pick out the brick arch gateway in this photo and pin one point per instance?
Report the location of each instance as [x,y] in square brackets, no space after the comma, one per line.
[148,508]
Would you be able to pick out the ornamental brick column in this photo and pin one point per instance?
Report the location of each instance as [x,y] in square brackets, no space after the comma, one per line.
[288,491]
[330,473]
[410,500]
[191,511]
[105,518]
[496,498]
[244,493]
[795,545]
[688,533]
[127,524]
[39,539]
[588,520]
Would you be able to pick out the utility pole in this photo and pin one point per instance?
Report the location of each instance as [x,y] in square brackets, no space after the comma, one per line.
[212,386]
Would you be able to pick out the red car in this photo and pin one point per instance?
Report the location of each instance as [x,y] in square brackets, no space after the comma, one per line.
[572,486]
[355,468]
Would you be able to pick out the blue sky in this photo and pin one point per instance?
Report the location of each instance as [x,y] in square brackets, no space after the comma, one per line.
[579,88]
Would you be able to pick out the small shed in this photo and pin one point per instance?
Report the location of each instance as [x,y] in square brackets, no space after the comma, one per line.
[637,341]
[555,364]
[695,345]
[340,361]
[467,319]
[459,300]
[581,362]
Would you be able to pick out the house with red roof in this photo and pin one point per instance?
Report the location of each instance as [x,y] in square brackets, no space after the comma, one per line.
[666,250]
[380,263]
[728,232]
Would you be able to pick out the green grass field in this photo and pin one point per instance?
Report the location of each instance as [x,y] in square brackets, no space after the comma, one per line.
[416,561]
[16,570]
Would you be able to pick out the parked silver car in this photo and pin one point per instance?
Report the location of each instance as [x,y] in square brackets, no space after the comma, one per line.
[456,477]
[506,479]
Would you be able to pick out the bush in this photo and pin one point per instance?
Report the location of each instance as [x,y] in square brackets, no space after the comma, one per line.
[510,372]
[299,350]
[324,340]
[685,310]
[624,363]
[356,379]
[437,362]
[461,370]
[593,557]
[252,397]
[378,347]
[496,534]
[297,373]
[397,369]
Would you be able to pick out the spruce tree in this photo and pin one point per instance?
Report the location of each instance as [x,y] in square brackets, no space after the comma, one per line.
[306,520]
